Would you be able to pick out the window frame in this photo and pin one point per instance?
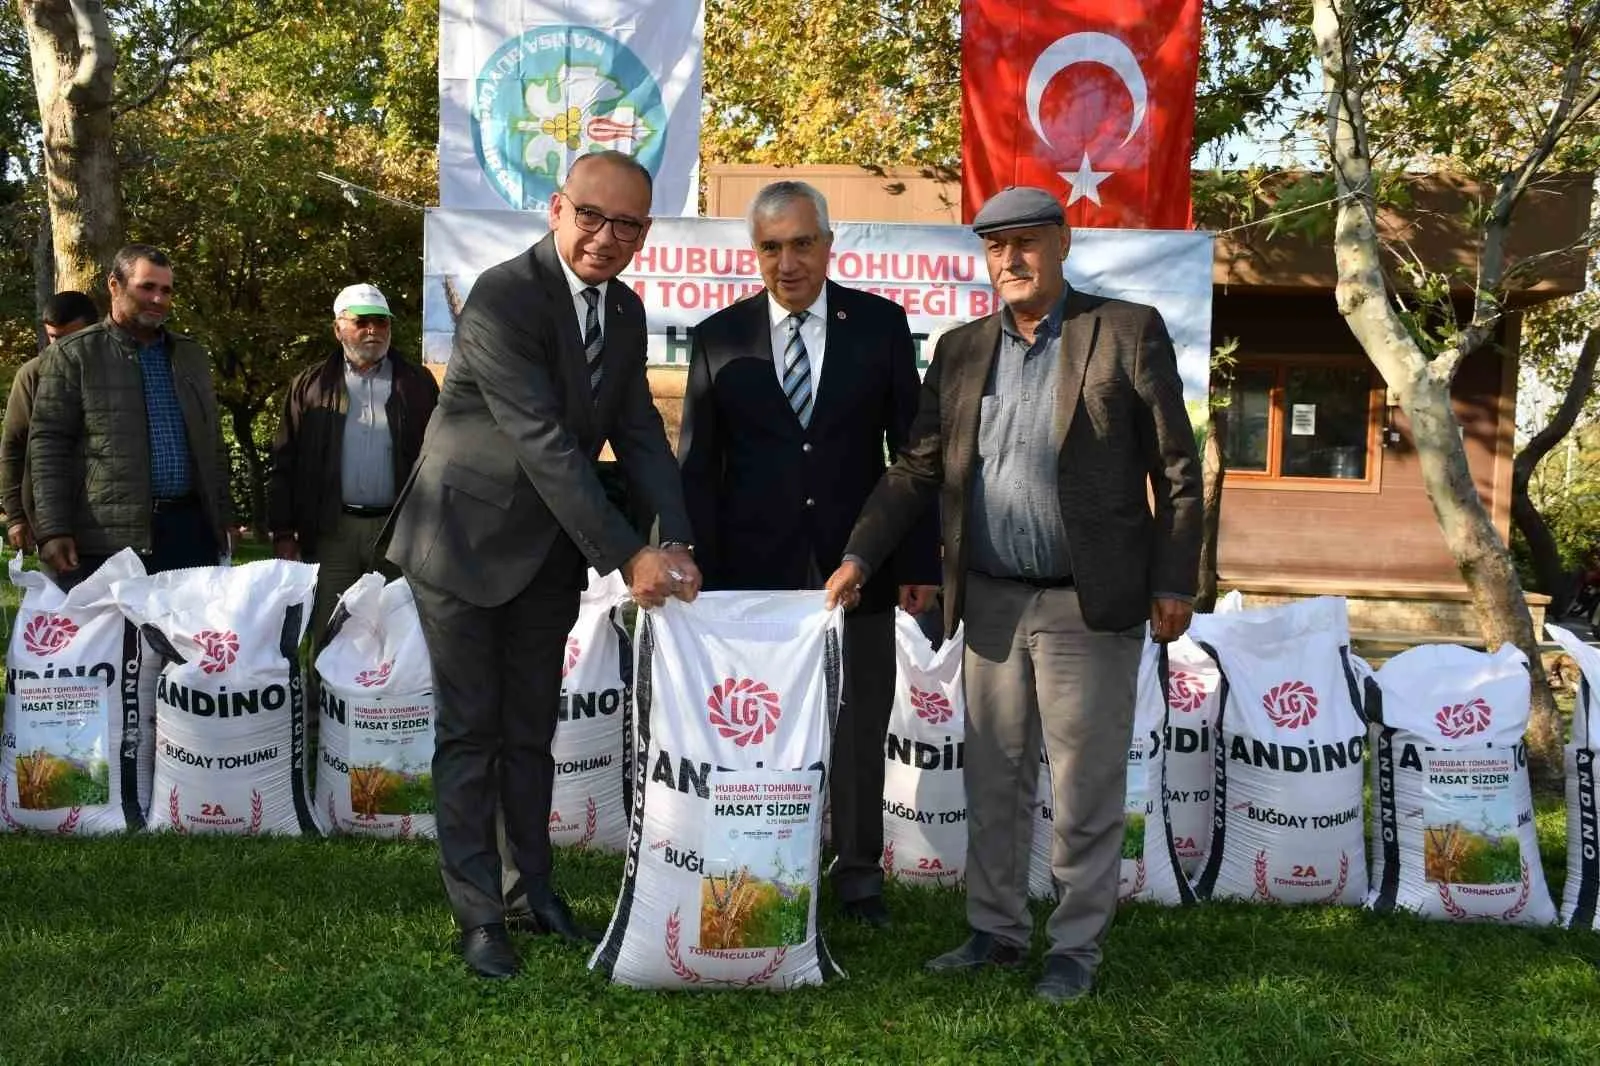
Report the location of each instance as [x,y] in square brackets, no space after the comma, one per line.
[1277,418]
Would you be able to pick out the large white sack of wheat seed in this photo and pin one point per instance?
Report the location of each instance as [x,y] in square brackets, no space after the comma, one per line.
[924,796]
[1193,698]
[1454,833]
[594,726]
[75,747]
[230,700]
[375,745]
[1580,894]
[1150,865]
[735,699]
[1290,737]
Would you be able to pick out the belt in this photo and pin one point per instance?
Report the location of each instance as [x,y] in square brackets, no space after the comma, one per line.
[1032,582]
[366,512]
[161,505]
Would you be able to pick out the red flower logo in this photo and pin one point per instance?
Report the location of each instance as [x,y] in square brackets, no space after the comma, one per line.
[219,648]
[931,707]
[49,634]
[574,649]
[1463,719]
[371,678]
[744,711]
[1185,691]
[1291,705]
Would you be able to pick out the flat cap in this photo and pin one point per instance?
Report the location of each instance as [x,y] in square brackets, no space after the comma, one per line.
[1017,206]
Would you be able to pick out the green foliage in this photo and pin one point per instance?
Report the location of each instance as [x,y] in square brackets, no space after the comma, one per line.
[1565,487]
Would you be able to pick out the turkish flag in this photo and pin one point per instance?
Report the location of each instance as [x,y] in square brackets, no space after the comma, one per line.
[1090,99]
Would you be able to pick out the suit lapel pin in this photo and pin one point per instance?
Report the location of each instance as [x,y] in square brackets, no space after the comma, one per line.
[839,315]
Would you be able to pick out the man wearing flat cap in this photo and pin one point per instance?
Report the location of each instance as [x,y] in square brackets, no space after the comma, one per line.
[1055,436]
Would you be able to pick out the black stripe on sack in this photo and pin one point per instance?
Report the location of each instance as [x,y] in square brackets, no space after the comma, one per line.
[1219,786]
[132,723]
[1588,843]
[605,958]
[1583,911]
[1357,700]
[289,646]
[832,682]
[625,671]
[1163,676]
[1388,824]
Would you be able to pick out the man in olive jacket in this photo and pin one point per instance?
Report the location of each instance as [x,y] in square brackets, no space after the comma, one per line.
[126,443]
[350,433]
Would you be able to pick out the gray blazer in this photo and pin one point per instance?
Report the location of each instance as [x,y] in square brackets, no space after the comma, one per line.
[1124,438]
[509,457]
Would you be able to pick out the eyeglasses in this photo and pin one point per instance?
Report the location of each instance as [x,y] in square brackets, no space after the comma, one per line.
[363,321]
[626,230]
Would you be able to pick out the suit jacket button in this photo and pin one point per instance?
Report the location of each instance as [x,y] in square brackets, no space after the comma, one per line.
[810,502]
[806,447]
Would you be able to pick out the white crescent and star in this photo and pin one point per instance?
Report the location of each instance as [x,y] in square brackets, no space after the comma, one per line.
[1064,52]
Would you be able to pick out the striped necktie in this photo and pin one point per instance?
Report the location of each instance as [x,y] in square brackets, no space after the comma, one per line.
[593,340]
[797,371]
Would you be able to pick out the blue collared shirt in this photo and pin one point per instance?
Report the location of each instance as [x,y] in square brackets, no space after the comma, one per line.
[169,439]
[1015,508]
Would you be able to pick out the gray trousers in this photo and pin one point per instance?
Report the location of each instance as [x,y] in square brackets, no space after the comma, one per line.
[1036,674]
[344,553]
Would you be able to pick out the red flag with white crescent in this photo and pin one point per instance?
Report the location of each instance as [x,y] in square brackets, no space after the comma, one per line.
[1090,99]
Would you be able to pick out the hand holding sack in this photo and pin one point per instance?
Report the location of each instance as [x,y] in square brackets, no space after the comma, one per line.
[230,701]
[735,695]
[924,796]
[76,748]
[375,763]
[594,731]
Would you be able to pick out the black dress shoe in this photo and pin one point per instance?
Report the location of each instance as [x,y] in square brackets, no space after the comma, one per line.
[487,951]
[550,916]
[1064,980]
[979,952]
[871,911]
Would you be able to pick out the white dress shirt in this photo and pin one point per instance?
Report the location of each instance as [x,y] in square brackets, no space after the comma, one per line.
[579,303]
[814,332]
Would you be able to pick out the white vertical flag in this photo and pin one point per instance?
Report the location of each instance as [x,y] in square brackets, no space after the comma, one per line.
[528,86]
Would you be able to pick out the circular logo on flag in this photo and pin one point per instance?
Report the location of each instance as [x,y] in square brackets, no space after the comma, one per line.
[1291,705]
[931,707]
[218,649]
[554,93]
[48,634]
[1463,719]
[370,678]
[744,711]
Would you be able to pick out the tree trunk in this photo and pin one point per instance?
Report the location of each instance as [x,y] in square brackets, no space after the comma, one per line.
[1213,469]
[1423,389]
[243,417]
[1554,578]
[74,60]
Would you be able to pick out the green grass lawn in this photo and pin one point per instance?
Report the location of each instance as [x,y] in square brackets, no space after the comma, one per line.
[146,949]
[161,949]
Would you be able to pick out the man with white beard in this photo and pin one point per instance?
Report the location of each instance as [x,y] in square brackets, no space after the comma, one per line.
[351,430]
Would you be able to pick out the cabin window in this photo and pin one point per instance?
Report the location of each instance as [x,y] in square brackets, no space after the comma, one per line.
[1304,421]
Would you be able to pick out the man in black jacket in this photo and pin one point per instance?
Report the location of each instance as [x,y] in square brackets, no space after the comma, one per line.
[350,433]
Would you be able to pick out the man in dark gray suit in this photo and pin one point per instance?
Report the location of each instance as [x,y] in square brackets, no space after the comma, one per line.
[1046,429]
[502,515]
